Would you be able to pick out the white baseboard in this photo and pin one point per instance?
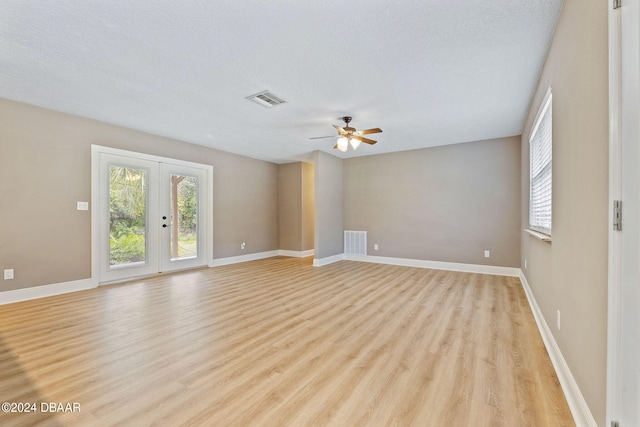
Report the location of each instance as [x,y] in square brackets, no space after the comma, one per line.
[319,262]
[578,406]
[8,297]
[296,254]
[259,255]
[244,258]
[438,265]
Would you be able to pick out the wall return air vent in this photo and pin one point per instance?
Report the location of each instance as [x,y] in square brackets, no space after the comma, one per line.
[266,99]
[355,242]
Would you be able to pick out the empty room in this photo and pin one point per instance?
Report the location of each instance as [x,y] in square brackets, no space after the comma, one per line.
[319,213]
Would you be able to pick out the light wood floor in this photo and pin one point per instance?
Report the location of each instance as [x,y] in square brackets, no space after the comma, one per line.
[278,342]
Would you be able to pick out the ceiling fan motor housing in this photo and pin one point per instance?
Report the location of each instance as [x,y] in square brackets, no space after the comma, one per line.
[347,120]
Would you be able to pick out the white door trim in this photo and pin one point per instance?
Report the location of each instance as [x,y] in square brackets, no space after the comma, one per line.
[622,28]
[96,150]
[615,193]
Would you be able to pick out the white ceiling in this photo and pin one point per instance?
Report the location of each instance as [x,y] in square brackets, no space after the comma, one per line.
[427,72]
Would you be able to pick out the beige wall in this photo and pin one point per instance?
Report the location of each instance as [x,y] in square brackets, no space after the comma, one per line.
[328,196]
[307,206]
[570,274]
[448,203]
[290,200]
[45,168]
[295,194]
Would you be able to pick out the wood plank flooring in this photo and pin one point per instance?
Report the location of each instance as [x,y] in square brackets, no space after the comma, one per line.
[277,342]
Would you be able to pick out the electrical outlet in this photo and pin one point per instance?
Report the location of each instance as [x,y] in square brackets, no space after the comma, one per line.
[83,206]
[375,247]
[8,274]
[243,245]
[487,254]
[558,319]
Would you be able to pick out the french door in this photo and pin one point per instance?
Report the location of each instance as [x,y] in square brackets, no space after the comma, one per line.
[150,214]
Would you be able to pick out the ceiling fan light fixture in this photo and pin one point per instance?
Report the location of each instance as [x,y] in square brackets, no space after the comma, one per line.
[343,144]
[354,142]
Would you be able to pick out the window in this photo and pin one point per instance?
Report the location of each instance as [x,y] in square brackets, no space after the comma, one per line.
[540,169]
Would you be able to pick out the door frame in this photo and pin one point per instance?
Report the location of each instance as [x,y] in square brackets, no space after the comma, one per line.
[615,193]
[615,252]
[96,151]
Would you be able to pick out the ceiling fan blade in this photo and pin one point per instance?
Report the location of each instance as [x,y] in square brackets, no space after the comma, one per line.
[368,131]
[322,137]
[340,130]
[335,146]
[365,140]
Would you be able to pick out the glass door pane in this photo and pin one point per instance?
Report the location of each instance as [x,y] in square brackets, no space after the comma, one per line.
[184,217]
[127,216]
[182,207]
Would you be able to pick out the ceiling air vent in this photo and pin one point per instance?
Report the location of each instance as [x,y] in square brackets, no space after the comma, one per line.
[266,99]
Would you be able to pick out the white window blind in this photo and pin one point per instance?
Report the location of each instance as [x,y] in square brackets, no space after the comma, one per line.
[540,169]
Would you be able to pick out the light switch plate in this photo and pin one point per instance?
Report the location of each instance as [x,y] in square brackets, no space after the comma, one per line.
[8,274]
[83,206]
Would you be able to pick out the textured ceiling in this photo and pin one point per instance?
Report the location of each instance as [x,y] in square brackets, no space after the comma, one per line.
[427,72]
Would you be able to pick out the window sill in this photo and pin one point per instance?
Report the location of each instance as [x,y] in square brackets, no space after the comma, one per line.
[538,235]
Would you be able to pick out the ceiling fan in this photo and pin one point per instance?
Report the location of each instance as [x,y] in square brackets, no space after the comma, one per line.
[348,135]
